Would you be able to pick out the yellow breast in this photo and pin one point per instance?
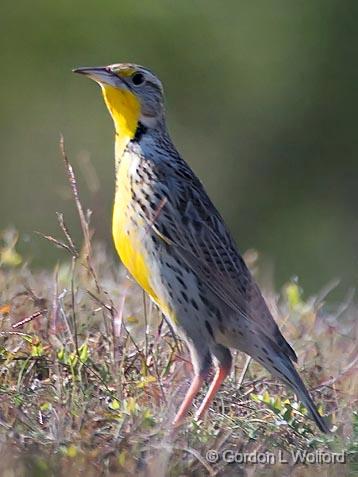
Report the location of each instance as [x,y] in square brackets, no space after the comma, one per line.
[129,240]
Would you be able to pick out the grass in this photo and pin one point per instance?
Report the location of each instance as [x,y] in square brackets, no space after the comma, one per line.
[91,376]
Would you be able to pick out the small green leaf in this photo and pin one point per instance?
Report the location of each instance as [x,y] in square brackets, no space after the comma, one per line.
[293,293]
[84,353]
[61,354]
[46,406]
[72,359]
[146,380]
[37,348]
[132,320]
[278,403]
[266,397]
[71,451]
[114,405]
[122,458]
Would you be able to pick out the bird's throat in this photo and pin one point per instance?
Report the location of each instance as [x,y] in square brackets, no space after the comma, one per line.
[124,108]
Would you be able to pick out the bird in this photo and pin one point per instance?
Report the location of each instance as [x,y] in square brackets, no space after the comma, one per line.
[174,242]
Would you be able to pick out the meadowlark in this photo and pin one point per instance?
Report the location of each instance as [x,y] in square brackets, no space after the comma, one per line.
[174,242]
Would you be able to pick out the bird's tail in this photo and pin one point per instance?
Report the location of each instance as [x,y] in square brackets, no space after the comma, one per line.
[276,355]
[283,368]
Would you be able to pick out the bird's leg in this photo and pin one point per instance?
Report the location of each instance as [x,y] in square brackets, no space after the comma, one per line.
[220,375]
[189,397]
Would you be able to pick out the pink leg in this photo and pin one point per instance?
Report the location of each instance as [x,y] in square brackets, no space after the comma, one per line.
[190,395]
[220,375]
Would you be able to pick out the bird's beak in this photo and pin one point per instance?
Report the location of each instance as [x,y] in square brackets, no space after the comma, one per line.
[101,74]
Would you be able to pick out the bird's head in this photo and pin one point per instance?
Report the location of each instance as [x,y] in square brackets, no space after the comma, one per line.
[133,95]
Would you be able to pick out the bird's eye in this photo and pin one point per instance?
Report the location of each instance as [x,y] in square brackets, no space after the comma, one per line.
[137,79]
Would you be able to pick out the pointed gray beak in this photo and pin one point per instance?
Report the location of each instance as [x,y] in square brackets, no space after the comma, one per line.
[101,74]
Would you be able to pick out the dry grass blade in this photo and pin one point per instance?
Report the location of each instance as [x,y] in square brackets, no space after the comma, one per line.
[29,318]
[84,221]
[244,371]
[74,320]
[74,188]
[67,234]
[56,242]
[53,318]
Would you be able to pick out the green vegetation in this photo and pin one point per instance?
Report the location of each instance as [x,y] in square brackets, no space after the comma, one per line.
[91,376]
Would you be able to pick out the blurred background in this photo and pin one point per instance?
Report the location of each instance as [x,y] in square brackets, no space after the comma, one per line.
[261,101]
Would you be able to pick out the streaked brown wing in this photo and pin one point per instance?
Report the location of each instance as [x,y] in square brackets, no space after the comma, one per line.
[202,240]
